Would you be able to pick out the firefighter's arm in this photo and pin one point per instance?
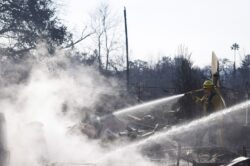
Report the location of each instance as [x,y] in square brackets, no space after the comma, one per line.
[198,99]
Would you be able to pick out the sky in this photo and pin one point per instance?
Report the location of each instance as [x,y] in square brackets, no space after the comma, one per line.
[158,27]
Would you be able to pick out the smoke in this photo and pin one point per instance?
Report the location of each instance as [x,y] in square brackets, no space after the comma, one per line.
[131,157]
[44,100]
[42,97]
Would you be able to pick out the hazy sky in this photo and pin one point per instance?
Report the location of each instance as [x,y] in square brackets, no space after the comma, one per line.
[158,27]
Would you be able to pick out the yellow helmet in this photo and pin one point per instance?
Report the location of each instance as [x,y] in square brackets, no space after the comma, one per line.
[208,84]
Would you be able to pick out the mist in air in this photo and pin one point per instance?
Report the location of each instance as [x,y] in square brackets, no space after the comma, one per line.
[42,97]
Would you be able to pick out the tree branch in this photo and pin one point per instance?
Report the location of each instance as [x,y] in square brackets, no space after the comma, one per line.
[81,39]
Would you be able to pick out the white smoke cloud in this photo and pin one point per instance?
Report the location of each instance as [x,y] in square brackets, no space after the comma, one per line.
[41,98]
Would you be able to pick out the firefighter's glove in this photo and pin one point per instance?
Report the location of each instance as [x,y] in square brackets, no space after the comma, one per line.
[196,99]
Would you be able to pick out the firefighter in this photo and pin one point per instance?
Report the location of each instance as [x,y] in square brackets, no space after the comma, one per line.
[212,101]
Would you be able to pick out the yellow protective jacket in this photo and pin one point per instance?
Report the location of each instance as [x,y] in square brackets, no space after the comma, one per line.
[212,103]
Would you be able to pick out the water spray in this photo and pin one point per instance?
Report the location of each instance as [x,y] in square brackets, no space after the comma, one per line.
[180,129]
[146,105]
[142,106]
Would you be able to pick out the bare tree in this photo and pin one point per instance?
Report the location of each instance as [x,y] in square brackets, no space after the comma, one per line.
[84,36]
[186,77]
[106,28]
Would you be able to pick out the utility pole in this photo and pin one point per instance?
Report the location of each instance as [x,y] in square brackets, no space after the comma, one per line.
[178,154]
[126,36]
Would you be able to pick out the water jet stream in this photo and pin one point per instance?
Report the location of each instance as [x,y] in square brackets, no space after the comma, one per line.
[180,129]
[145,105]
